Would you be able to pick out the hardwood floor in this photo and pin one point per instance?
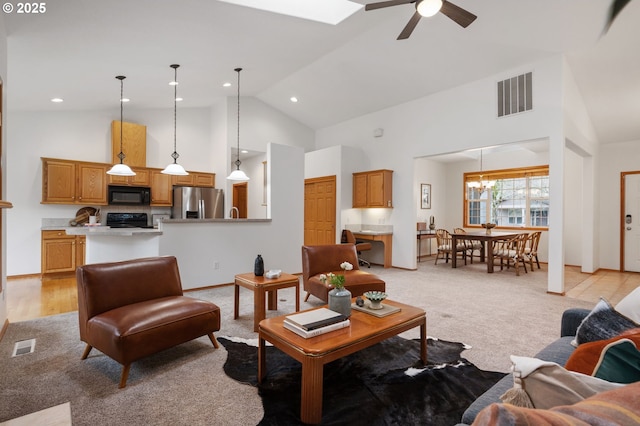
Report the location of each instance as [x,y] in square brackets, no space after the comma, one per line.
[29,298]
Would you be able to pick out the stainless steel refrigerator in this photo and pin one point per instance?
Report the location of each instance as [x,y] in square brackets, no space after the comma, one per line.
[190,202]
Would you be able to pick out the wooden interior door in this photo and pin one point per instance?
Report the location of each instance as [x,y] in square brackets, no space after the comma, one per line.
[320,211]
[240,199]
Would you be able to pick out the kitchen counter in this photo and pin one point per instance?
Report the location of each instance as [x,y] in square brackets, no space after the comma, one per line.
[108,231]
[226,220]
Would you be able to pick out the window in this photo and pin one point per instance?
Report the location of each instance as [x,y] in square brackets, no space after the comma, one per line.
[518,198]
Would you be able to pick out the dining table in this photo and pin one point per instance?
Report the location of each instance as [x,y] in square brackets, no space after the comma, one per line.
[484,238]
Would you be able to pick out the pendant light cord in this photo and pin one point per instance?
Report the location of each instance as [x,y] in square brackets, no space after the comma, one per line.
[175,112]
[121,78]
[238,152]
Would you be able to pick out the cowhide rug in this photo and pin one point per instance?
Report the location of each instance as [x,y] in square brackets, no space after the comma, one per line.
[381,385]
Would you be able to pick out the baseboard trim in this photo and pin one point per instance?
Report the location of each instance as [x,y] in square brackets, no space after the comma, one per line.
[23,276]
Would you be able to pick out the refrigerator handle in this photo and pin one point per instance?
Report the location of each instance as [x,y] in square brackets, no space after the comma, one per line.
[202,211]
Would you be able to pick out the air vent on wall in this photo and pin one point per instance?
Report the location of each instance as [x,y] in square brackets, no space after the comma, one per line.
[514,95]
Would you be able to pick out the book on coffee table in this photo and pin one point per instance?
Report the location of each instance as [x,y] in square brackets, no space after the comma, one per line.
[316,331]
[382,312]
[316,318]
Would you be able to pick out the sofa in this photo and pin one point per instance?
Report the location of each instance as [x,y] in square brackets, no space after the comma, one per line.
[322,259]
[558,351]
[132,309]
[595,361]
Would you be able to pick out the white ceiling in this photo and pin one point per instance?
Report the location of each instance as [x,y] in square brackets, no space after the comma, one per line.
[76,48]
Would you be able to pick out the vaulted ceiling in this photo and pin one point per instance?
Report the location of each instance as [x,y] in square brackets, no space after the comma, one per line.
[76,48]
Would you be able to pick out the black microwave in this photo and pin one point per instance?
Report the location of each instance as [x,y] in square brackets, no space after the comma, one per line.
[129,195]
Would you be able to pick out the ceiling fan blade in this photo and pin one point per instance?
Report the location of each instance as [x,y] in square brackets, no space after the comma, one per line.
[389,3]
[457,14]
[411,25]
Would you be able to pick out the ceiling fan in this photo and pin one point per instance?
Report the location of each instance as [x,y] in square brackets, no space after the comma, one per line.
[427,8]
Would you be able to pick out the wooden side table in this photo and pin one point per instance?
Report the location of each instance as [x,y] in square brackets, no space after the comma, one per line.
[260,286]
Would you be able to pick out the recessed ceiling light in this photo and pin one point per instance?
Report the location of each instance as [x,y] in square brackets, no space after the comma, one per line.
[179,99]
[125,99]
[244,151]
[226,84]
[327,11]
[293,99]
[57,100]
[173,83]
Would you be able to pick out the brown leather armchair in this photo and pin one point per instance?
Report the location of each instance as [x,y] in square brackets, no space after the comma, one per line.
[129,310]
[323,259]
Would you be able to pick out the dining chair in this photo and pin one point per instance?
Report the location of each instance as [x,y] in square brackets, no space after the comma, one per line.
[511,252]
[531,248]
[471,246]
[445,247]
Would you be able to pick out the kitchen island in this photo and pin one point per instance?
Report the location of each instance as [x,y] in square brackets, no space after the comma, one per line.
[106,244]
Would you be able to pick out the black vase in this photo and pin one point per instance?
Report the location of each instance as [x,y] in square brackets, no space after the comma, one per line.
[258,267]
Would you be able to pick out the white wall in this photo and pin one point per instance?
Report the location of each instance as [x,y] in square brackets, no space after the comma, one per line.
[86,136]
[3,165]
[615,158]
[234,246]
[453,120]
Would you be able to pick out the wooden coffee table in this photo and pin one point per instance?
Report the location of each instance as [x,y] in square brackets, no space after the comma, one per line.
[313,353]
[260,286]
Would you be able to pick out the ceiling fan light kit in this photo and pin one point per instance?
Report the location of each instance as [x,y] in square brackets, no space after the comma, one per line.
[427,8]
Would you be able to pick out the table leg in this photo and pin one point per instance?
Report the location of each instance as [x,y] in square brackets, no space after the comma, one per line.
[482,251]
[273,300]
[454,255]
[259,312]
[298,297]
[423,342]
[262,361]
[490,258]
[311,395]
[236,300]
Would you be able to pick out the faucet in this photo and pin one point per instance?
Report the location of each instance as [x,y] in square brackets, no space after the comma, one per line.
[237,212]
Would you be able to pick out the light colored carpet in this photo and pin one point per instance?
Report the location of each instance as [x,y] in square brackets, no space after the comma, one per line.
[498,315]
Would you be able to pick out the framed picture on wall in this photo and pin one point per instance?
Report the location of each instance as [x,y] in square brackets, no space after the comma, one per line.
[425,196]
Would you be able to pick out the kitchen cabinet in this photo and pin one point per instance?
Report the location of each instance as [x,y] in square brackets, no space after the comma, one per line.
[161,188]
[61,253]
[207,180]
[134,143]
[373,189]
[73,182]
[141,178]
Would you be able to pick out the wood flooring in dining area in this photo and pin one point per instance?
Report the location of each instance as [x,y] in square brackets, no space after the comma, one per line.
[29,298]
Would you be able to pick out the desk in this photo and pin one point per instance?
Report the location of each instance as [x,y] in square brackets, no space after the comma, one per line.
[483,237]
[313,353]
[385,237]
[421,235]
[260,286]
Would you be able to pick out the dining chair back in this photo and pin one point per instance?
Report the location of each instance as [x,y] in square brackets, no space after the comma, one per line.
[472,247]
[511,252]
[531,248]
[446,249]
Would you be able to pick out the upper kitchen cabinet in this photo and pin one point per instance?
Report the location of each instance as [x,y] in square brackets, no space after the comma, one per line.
[73,182]
[161,188]
[141,178]
[207,180]
[373,189]
[134,143]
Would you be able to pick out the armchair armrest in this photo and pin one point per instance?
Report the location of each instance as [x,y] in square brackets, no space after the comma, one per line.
[571,319]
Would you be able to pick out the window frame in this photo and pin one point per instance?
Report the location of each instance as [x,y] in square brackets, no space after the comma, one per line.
[512,173]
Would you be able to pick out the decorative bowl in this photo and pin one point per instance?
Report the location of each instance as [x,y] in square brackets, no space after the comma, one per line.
[488,225]
[375,296]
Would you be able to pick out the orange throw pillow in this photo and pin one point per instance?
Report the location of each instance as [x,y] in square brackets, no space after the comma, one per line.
[586,356]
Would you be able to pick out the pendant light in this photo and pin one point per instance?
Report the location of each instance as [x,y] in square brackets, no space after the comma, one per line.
[121,169]
[237,174]
[481,184]
[175,168]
